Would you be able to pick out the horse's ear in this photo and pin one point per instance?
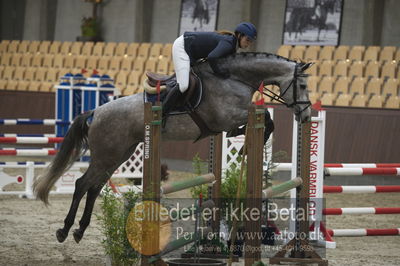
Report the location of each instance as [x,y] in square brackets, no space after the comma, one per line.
[305,66]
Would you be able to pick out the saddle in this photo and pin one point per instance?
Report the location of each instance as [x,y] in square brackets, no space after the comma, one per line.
[190,99]
[153,78]
[187,104]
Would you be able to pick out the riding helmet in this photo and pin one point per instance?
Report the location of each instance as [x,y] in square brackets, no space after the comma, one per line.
[247,29]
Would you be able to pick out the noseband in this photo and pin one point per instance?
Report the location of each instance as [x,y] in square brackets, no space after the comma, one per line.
[279,98]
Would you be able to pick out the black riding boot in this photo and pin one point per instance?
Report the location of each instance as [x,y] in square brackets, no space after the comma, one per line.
[171,99]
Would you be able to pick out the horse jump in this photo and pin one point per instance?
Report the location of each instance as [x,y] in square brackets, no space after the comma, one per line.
[152,189]
[319,170]
[352,169]
[254,182]
[65,103]
[302,168]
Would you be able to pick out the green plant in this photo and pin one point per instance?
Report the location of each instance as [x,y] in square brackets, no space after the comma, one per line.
[231,182]
[115,211]
[199,169]
[231,178]
[198,165]
[228,187]
[269,163]
[90,27]
[229,192]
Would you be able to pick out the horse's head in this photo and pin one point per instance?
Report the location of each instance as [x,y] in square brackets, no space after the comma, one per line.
[250,69]
[294,93]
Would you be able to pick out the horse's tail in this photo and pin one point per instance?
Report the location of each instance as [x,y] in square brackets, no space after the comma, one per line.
[71,149]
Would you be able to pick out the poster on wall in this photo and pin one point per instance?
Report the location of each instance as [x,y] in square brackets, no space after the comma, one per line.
[312,22]
[198,15]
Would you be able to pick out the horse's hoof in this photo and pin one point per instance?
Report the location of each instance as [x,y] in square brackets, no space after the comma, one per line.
[61,236]
[236,132]
[77,235]
[232,133]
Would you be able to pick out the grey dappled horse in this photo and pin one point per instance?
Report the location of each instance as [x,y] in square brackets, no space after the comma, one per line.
[112,131]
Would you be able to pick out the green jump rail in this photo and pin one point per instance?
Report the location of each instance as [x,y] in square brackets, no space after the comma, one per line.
[181,185]
[283,187]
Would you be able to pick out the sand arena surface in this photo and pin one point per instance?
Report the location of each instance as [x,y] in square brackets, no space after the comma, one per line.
[27,232]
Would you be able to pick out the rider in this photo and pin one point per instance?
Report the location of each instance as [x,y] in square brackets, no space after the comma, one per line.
[192,46]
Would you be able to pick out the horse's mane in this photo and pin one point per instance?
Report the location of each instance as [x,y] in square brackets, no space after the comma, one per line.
[247,55]
[259,54]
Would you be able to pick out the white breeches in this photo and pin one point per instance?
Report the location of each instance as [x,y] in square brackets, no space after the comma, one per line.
[181,63]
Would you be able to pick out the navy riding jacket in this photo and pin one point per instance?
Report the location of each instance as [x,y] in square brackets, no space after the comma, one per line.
[209,45]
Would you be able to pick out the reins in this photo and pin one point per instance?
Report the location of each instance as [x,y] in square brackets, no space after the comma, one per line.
[279,97]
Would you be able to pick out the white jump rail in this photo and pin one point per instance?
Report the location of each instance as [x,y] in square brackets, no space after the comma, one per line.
[27,152]
[362,165]
[31,140]
[361,171]
[13,135]
[362,210]
[364,232]
[27,121]
[361,189]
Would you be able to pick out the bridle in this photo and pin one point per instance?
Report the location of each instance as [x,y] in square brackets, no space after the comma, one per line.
[279,98]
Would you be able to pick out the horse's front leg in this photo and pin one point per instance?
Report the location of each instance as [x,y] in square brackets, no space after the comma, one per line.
[269,128]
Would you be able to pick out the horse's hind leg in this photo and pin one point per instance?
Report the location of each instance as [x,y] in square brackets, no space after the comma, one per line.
[81,187]
[62,233]
[92,195]
[99,177]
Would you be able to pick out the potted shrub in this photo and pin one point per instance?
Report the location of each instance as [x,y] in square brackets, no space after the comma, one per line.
[115,211]
[91,26]
[90,30]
